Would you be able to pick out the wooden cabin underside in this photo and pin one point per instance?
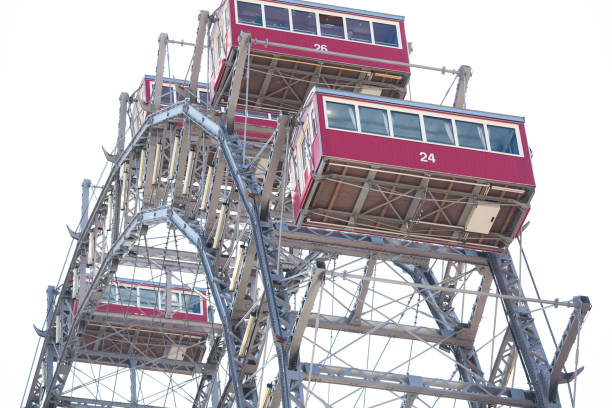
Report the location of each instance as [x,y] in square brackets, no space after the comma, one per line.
[160,344]
[415,205]
[281,82]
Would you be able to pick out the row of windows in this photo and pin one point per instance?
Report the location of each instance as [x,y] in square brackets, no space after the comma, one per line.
[169,95]
[137,296]
[421,127]
[257,114]
[328,25]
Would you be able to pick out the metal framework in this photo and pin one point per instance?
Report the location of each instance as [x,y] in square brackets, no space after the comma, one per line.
[296,316]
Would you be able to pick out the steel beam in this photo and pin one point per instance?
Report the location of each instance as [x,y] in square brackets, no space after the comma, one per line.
[364,285]
[583,305]
[386,329]
[345,243]
[505,361]
[275,160]
[142,362]
[82,271]
[238,74]
[196,62]
[304,315]
[411,384]
[523,329]
[96,403]
[464,75]
[159,71]
[49,350]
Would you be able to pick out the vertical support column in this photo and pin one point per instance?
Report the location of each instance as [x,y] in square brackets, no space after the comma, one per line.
[48,363]
[465,73]
[123,101]
[85,185]
[168,292]
[133,390]
[234,96]
[197,53]
[159,71]
[523,329]
[215,390]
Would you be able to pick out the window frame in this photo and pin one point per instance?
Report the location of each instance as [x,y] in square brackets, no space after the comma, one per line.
[161,290]
[261,9]
[421,113]
[342,18]
[487,146]
[397,35]
[370,26]
[317,12]
[265,17]
[164,84]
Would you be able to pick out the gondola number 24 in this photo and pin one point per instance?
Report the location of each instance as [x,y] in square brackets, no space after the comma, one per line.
[425,157]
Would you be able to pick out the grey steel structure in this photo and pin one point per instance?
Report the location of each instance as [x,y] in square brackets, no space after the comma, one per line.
[297,316]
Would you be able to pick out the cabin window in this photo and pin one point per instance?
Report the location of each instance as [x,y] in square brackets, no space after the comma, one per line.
[193,303]
[406,125]
[167,97]
[374,121]
[358,30]
[439,130]
[252,114]
[471,135]
[180,97]
[304,22]
[304,155]
[167,94]
[148,298]
[110,294]
[295,175]
[277,17]
[249,13]
[331,26]
[175,301]
[503,139]
[313,126]
[203,96]
[128,296]
[341,116]
[385,34]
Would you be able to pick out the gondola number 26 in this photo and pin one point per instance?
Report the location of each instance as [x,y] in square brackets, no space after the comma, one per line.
[425,157]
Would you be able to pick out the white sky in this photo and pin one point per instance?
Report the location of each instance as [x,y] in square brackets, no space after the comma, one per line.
[64,65]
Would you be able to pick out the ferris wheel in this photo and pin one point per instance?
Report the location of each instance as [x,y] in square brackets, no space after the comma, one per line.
[293,232]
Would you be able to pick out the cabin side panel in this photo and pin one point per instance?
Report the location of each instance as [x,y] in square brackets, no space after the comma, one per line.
[412,154]
[220,45]
[318,44]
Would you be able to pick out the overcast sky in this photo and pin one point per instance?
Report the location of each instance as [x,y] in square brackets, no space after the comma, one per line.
[64,65]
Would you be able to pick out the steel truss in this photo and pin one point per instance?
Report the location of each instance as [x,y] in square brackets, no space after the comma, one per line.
[381,321]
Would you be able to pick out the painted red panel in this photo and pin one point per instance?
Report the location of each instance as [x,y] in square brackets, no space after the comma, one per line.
[406,153]
[317,156]
[143,311]
[399,55]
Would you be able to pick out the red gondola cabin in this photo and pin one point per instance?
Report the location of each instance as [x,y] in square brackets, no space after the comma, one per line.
[134,312]
[297,44]
[169,96]
[410,170]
